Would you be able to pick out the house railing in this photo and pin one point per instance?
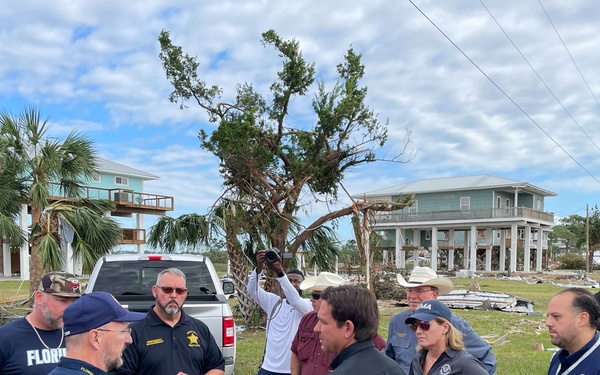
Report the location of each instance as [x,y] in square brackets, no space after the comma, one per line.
[125,197]
[488,213]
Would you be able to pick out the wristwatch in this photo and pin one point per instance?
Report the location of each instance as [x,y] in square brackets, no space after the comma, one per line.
[280,275]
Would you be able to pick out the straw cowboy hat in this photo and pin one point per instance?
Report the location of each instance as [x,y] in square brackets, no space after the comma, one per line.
[324,280]
[421,276]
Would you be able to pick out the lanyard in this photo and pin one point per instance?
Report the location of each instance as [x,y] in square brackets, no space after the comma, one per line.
[584,356]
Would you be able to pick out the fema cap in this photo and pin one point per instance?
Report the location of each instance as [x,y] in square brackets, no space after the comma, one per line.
[93,310]
[60,284]
[429,310]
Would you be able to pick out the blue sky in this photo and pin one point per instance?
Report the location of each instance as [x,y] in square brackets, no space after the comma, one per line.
[93,66]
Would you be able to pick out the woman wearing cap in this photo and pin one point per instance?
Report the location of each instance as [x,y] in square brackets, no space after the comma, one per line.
[441,349]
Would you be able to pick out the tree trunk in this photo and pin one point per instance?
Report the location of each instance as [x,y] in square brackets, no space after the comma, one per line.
[239,269]
[35,261]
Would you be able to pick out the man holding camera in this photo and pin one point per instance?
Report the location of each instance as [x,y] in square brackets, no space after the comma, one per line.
[283,314]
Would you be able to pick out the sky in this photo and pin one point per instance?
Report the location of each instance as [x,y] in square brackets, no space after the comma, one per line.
[506,88]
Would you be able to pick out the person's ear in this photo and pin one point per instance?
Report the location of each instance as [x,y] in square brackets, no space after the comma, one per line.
[348,329]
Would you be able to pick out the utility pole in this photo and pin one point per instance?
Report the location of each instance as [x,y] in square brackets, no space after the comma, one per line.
[588,263]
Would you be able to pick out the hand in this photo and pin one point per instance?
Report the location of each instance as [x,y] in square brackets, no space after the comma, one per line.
[181,373]
[276,267]
[260,261]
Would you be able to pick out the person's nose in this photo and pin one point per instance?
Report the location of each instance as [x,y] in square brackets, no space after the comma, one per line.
[317,327]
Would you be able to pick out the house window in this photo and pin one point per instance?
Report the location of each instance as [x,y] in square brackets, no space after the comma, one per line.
[427,235]
[123,181]
[96,177]
[507,202]
[465,203]
[414,208]
[539,204]
[499,204]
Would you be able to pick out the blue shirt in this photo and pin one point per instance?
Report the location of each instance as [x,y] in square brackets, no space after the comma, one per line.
[588,366]
[450,362]
[22,351]
[70,366]
[402,342]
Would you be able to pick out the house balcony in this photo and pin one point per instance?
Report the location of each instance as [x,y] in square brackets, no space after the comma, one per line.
[509,214]
[126,201]
[132,236]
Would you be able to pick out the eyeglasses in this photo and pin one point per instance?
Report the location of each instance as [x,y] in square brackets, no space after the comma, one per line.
[123,331]
[418,291]
[169,290]
[315,295]
[424,326]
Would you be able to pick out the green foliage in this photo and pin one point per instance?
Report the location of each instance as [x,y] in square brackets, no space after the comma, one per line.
[572,261]
[45,166]
[265,160]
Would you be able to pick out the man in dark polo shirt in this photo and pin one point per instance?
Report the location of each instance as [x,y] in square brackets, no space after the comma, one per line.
[348,322]
[168,341]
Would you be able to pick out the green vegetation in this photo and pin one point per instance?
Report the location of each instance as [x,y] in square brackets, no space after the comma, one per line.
[572,261]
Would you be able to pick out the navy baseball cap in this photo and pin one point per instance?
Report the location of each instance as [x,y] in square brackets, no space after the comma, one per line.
[429,310]
[93,310]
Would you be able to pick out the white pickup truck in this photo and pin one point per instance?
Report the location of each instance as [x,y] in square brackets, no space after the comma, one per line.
[129,277]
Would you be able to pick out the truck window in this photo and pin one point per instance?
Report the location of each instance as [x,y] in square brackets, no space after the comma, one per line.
[137,277]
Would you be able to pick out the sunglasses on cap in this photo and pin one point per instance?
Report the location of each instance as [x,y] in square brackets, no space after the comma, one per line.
[315,295]
[424,326]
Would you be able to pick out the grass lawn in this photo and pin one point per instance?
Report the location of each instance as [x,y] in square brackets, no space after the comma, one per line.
[511,334]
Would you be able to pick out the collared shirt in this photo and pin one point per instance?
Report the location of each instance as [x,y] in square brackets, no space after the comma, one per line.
[306,346]
[70,366]
[282,322]
[364,359]
[588,366]
[402,342]
[22,351]
[161,349]
[450,362]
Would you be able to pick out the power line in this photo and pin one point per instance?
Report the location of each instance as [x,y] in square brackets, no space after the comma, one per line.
[568,52]
[504,93]
[539,77]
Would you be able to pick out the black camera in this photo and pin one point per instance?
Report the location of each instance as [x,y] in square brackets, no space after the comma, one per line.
[272,254]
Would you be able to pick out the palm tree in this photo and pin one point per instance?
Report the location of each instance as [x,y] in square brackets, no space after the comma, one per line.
[81,223]
[49,168]
[11,193]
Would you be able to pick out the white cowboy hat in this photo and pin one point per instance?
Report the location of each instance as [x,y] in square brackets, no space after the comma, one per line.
[421,276]
[324,280]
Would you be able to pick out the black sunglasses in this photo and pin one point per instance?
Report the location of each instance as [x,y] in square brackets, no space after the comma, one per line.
[315,295]
[169,290]
[424,326]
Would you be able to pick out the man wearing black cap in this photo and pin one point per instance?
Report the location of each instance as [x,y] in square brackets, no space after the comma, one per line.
[96,334]
[34,344]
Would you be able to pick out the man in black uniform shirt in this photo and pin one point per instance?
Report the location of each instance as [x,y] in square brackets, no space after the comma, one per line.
[169,341]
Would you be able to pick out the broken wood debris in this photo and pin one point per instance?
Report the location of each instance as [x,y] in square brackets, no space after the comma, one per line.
[473,299]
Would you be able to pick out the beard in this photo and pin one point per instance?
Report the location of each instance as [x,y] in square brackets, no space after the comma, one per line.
[170,308]
[52,320]
[112,361]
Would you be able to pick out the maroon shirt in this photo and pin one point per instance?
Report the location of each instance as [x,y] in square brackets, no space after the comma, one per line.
[308,349]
